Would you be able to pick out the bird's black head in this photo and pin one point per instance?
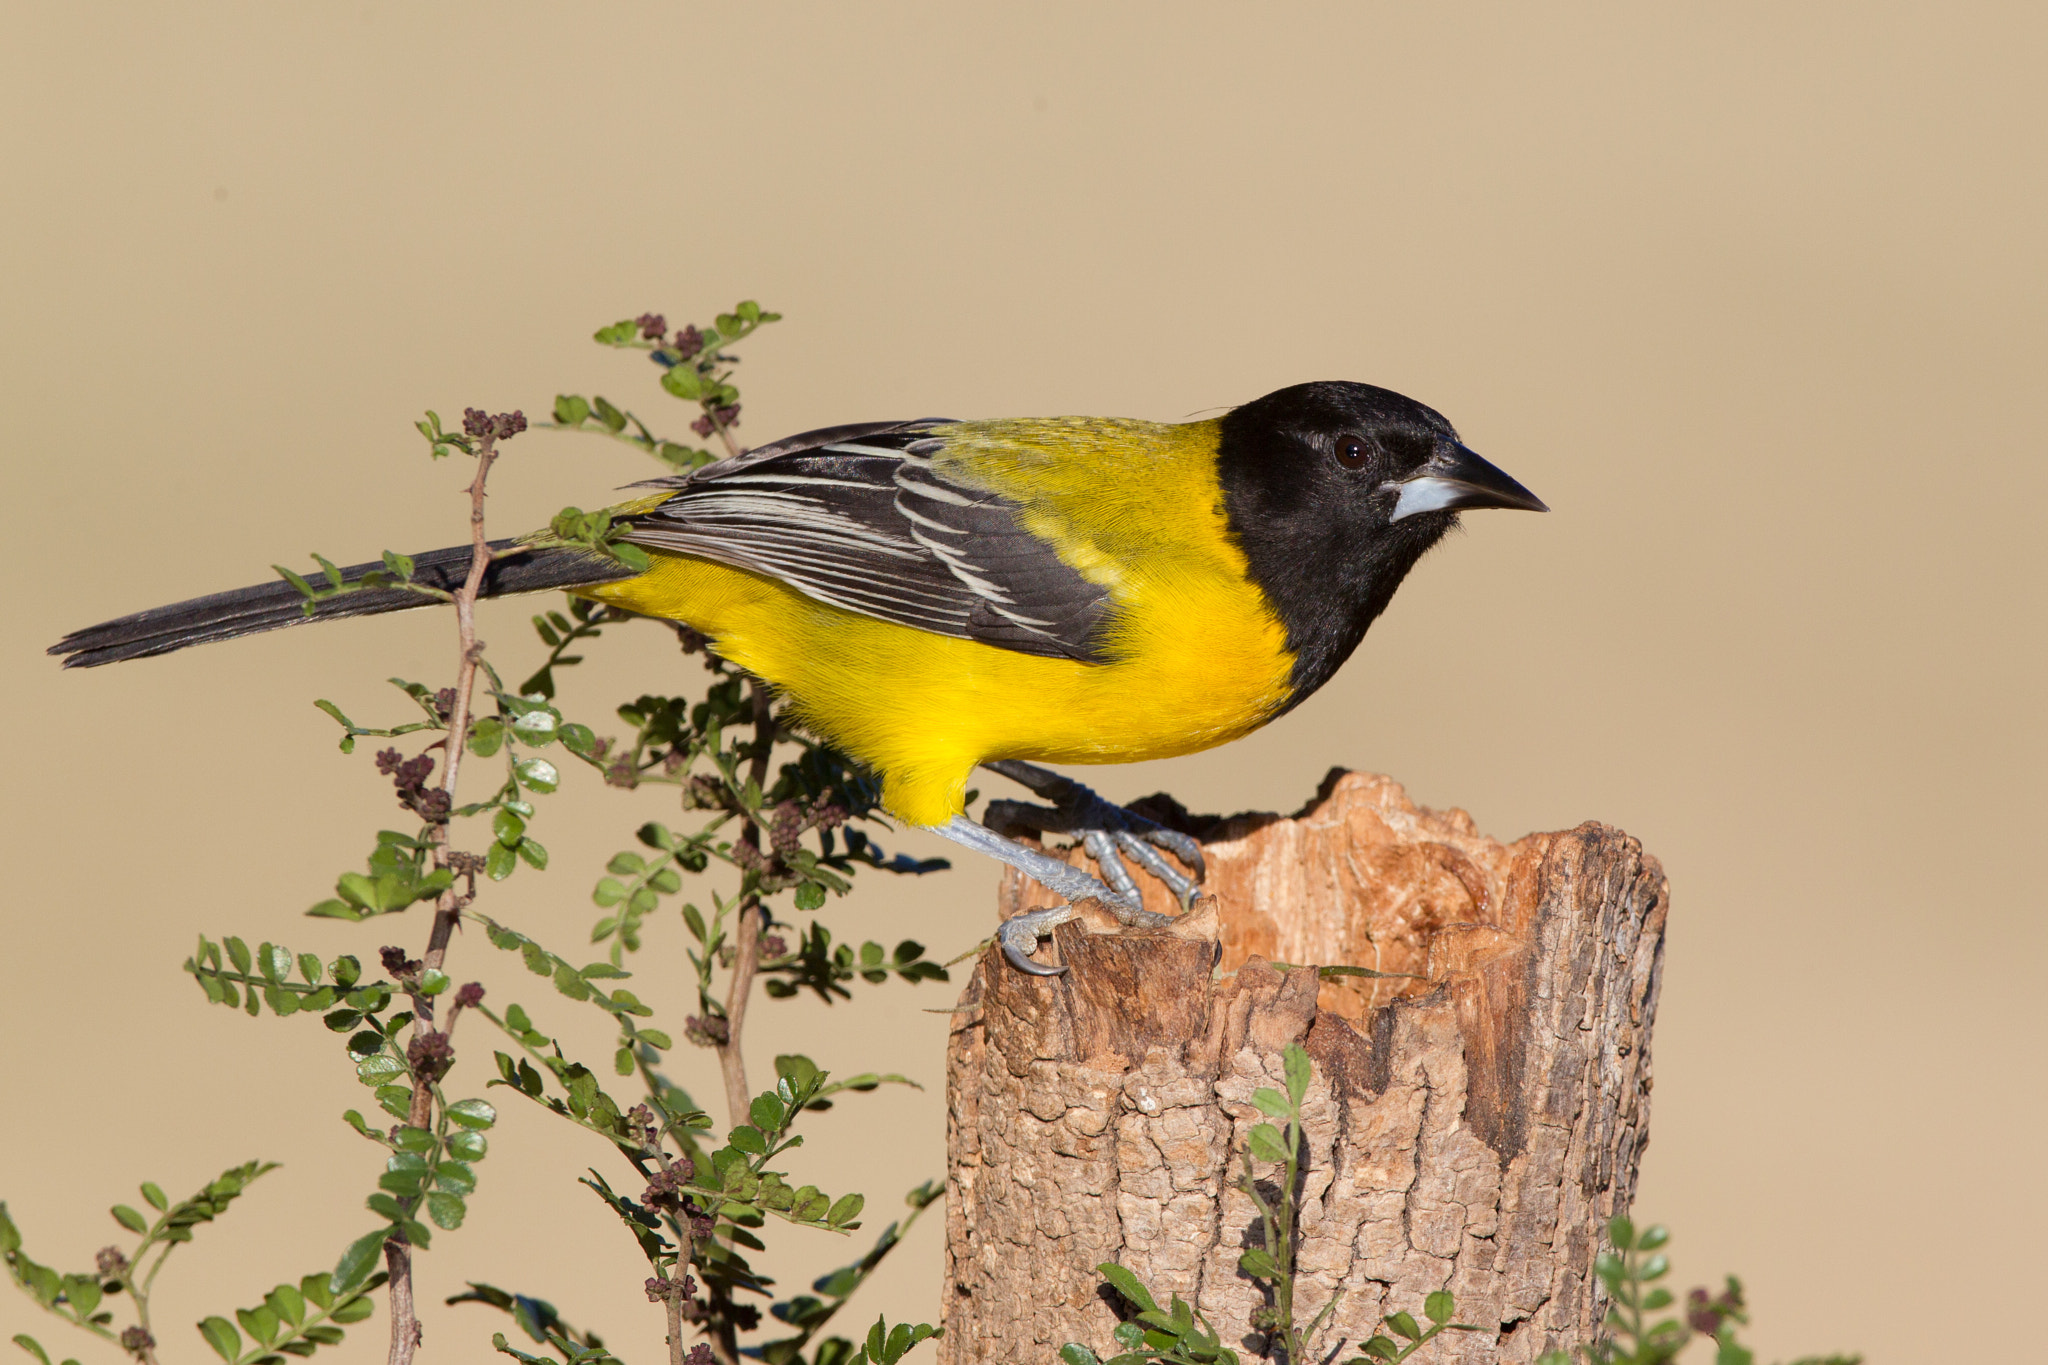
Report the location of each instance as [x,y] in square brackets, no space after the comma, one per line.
[1333,491]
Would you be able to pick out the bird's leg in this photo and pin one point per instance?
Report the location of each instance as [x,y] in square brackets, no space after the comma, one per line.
[1109,832]
[1019,934]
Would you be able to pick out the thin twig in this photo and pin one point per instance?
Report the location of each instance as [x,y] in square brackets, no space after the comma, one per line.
[448,909]
[732,1064]
[406,1332]
[677,1352]
[732,447]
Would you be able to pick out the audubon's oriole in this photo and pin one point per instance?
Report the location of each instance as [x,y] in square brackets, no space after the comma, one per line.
[934,595]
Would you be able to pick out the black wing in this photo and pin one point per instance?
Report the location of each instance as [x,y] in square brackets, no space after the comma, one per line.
[859,517]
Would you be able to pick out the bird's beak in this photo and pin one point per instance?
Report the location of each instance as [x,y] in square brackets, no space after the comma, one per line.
[1455,478]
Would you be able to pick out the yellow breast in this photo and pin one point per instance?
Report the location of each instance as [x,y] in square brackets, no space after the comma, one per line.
[1197,657]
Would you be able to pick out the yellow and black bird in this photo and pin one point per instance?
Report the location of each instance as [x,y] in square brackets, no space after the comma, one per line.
[935,595]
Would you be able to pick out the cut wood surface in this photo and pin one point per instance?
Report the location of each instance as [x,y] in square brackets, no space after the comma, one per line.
[1472,1124]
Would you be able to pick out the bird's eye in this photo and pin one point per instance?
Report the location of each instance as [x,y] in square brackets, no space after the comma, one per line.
[1352,451]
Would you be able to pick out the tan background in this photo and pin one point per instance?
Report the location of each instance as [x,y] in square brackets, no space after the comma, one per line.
[1755,298]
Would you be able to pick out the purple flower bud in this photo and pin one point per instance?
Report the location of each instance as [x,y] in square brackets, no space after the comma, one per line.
[431,1054]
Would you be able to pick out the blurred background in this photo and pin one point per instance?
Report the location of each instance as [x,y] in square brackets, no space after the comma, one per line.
[1753,297]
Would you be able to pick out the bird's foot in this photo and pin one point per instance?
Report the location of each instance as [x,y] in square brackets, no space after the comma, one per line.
[1109,832]
[1019,934]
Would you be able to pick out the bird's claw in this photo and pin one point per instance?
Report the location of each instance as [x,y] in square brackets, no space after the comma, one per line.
[1019,937]
[1109,832]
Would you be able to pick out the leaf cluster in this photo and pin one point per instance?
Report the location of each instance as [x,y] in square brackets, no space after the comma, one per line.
[787,814]
[1632,1269]
[294,1319]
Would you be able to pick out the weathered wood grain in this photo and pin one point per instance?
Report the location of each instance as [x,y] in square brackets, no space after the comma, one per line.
[1471,1126]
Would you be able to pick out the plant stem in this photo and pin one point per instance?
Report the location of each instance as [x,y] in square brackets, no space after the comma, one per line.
[448,908]
[405,1324]
[732,447]
[732,1064]
[1284,1253]
[677,1352]
[406,1333]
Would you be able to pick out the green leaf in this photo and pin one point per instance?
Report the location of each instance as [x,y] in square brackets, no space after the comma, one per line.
[1270,1102]
[1128,1285]
[571,410]
[288,1303]
[238,953]
[130,1219]
[684,382]
[1440,1307]
[467,1146]
[33,1347]
[1622,1233]
[1294,1059]
[536,728]
[799,1071]
[1074,1353]
[473,1114]
[507,828]
[846,1209]
[618,334]
[487,736]
[454,1177]
[334,909]
[1259,1264]
[84,1293]
[1265,1143]
[539,774]
[534,854]
[352,1310]
[446,1210]
[221,1335]
[1405,1325]
[499,862]
[748,1139]
[767,1113]
[260,1323]
[152,1192]
[357,1262]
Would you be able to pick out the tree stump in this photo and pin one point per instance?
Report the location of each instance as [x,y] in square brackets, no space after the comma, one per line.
[1471,1126]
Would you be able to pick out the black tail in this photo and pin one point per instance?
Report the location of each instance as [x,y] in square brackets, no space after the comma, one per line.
[267,606]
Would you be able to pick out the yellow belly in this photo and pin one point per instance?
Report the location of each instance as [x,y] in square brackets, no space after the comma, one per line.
[1196,662]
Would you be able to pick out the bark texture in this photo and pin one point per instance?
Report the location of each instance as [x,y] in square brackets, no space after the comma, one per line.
[1471,1127]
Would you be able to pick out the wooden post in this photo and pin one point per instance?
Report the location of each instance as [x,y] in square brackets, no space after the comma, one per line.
[1470,1128]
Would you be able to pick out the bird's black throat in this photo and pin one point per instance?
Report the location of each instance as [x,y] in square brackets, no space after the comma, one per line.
[1316,540]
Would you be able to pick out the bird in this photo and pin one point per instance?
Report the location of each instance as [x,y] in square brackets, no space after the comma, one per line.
[935,595]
